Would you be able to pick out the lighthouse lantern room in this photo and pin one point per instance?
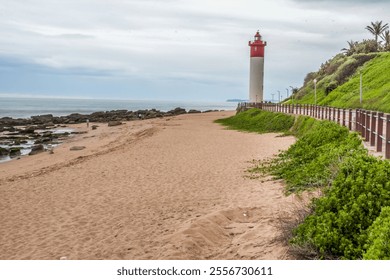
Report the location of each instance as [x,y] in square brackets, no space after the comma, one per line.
[256,72]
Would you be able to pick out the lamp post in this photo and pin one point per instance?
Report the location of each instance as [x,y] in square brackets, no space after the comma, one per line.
[272,97]
[279,95]
[287,92]
[315,91]
[361,87]
[292,94]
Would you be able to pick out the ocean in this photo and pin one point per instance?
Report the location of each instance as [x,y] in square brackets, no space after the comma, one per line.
[27,107]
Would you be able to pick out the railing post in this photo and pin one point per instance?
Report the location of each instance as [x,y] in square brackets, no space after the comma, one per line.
[387,139]
[338,115]
[368,128]
[362,123]
[373,128]
[379,135]
[357,120]
[343,117]
[350,119]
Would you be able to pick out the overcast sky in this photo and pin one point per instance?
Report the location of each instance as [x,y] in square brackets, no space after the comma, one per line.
[173,49]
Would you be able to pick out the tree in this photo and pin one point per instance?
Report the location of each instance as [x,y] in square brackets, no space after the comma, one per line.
[386,39]
[376,29]
[351,48]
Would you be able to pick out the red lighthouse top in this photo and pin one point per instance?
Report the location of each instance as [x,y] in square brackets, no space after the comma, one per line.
[257,46]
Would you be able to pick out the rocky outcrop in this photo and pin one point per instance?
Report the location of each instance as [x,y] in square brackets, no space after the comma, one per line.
[45,121]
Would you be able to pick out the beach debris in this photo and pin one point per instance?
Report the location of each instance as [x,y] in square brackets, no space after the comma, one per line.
[63,258]
[94,126]
[77,148]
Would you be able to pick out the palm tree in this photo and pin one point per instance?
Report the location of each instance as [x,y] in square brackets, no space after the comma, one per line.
[352,48]
[386,38]
[376,29]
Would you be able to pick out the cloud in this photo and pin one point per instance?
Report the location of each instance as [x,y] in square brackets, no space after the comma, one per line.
[154,45]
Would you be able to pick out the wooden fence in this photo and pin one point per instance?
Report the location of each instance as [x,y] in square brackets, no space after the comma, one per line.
[374,127]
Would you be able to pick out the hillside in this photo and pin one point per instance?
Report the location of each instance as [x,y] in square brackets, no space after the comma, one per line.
[338,82]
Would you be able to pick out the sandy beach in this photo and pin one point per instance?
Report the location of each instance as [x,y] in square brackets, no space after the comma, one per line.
[172,188]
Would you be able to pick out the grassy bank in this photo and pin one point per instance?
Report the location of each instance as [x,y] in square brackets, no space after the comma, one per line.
[255,120]
[352,218]
[338,83]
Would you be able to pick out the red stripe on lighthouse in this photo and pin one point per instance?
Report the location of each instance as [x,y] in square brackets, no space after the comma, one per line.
[257,46]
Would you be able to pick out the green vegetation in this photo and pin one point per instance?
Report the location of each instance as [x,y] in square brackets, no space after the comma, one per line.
[314,160]
[342,217]
[351,220]
[378,237]
[338,79]
[332,90]
[255,120]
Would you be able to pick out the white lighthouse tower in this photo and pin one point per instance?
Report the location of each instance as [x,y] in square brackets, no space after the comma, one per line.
[256,73]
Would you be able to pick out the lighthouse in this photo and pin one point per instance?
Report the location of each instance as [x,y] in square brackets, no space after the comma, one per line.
[256,72]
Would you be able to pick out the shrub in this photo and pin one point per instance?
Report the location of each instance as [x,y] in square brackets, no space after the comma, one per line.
[378,240]
[330,87]
[341,218]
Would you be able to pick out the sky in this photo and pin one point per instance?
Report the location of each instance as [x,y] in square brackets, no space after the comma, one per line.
[190,50]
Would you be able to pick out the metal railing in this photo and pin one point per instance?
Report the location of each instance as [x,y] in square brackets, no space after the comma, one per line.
[373,126]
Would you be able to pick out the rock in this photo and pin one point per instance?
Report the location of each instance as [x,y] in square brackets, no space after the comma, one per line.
[94,126]
[41,119]
[14,152]
[79,132]
[43,140]
[36,149]
[77,148]
[177,111]
[114,123]
[28,130]
[4,152]
[192,111]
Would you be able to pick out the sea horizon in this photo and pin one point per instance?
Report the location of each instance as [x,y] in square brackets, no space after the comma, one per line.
[25,107]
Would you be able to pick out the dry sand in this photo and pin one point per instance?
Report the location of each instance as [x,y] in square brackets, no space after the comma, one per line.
[171,188]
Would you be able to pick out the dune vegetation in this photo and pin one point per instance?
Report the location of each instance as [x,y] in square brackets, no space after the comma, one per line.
[351,219]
